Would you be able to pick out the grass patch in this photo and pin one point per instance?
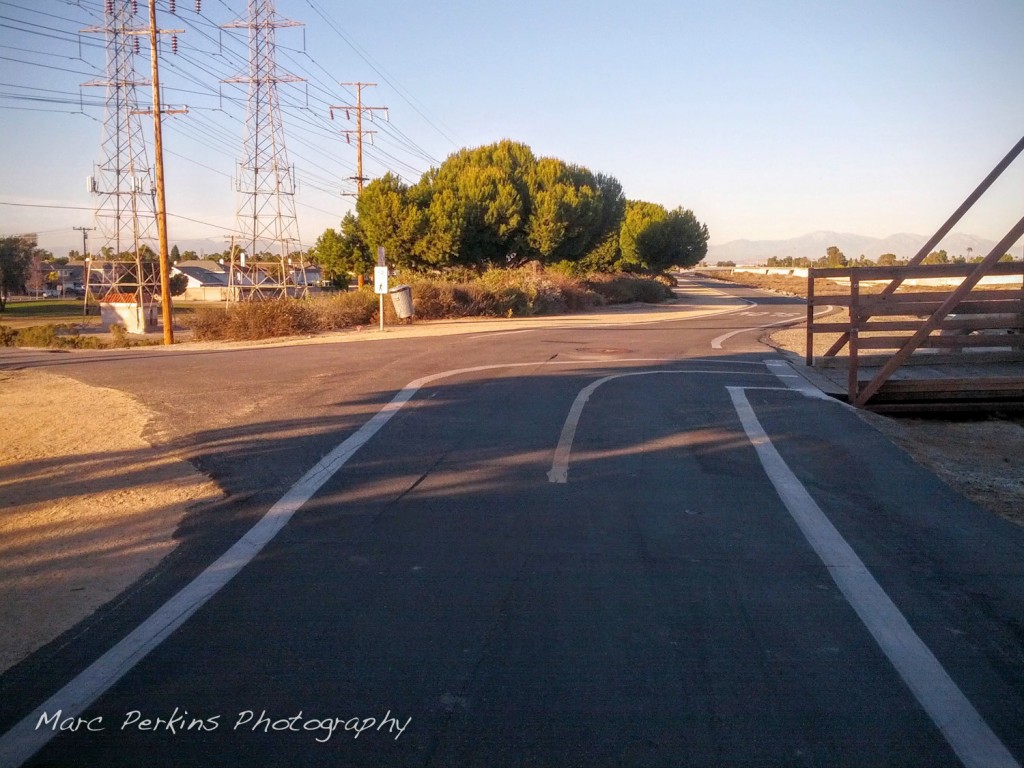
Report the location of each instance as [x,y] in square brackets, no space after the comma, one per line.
[785,284]
[64,336]
[42,309]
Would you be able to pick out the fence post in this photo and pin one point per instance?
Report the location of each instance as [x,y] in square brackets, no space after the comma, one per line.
[809,350]
[852,383]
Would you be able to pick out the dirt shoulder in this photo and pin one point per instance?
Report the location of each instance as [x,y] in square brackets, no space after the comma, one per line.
[88,505]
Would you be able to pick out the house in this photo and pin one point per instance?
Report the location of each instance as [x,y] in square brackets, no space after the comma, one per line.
[207,280]
[215,281]
[71,279]
[308,276]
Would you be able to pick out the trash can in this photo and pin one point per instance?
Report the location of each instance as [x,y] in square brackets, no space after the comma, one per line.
[401,297]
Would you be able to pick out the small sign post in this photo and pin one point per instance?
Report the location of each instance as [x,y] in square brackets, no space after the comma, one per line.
[380,281]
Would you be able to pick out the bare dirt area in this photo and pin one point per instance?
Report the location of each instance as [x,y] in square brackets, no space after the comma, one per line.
[88,506]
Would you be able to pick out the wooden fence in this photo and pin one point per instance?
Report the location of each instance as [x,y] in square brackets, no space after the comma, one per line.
[952,329]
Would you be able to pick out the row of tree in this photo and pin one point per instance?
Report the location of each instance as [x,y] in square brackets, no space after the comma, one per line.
[836,258]
[500,205]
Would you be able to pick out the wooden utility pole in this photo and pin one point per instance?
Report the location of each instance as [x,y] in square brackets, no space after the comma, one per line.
[85,258]
[358,108]
[161,201]
[85,238]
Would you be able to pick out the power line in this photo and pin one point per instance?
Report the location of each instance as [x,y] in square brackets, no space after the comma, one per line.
[212,54]
[366,57]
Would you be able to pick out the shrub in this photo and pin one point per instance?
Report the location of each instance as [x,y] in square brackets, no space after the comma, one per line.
[439,299]
[208,324]
[576,295]
[623,289]
[344,310]
[529,290]
[38,336]
[8,336]
[120,336]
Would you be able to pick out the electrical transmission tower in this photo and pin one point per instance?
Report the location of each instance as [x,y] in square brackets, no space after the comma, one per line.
[265,180]
[126,210]
[359,109]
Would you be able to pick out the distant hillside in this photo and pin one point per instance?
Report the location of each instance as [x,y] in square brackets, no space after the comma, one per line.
[813,245]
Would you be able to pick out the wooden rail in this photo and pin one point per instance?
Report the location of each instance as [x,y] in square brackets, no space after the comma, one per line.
[945,326]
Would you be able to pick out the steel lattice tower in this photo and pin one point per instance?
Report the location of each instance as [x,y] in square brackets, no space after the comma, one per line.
[122,179]
[265,181]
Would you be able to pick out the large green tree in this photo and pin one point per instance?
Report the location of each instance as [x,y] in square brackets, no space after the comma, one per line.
[344,253]
[328,254]
[607,221]
[388,218]
[476,206]
[500,205]
[639,217]
[833,258]
[573,210]
[677,240]
[15,264]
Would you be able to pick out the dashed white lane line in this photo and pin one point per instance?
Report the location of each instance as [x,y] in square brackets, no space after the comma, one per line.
[964,729]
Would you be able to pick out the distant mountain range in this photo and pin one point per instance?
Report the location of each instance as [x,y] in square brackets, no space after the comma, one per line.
[814,244]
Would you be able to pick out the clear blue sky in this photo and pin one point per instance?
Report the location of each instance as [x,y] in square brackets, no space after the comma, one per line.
[769,120]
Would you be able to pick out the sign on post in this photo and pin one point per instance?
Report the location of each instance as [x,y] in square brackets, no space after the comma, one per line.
[380,279]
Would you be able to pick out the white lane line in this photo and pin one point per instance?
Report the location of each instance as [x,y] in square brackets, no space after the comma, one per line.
[796,382]
[24,740]
[716,343]
[969,736]
[559,472]
[492,334]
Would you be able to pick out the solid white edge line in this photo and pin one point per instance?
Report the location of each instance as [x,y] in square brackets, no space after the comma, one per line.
[559,472]
[964,729]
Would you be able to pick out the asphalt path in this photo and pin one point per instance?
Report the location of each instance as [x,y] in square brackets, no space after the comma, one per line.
[625,545]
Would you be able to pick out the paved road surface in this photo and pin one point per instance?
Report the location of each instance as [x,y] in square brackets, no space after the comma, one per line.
[617,546]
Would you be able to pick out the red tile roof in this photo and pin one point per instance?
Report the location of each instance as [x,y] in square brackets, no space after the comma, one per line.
[120,298]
